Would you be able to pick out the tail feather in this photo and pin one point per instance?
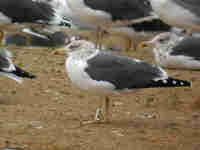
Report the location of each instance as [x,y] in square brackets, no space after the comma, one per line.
[170,82]
[12,76]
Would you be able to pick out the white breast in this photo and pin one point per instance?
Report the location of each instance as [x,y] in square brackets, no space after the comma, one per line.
[75,70]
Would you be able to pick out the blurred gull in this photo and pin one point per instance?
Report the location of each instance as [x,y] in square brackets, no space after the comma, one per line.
[175,51]
[180,13]
[34,11]
[115,16]
[7,68]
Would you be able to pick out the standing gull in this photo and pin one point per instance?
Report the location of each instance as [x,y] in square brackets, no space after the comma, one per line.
[103,73]
[7,68]
[180,13]
[175,51]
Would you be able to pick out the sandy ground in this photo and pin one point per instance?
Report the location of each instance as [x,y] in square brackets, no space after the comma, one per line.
[46,113]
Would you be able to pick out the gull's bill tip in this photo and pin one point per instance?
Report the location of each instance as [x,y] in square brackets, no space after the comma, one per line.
[143,45]
[60,52]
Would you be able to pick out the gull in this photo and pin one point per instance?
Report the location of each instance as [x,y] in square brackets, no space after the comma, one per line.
[45,12]
[34,11]
[175,51]
[7,68]
[180,13]
[117,17]
[103,73]
[49,39]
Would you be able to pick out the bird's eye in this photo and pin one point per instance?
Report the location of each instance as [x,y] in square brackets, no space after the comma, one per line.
[74,46]
[161,40]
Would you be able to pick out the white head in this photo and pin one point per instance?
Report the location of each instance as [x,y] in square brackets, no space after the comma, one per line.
[76,44]
[162,40]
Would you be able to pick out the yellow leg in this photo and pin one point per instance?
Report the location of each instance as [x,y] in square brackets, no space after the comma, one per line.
[99,117]
[107,109]
[99,112]
[133,44]
[99,38]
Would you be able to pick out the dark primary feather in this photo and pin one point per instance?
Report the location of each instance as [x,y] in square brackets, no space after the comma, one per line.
[189,46]
[121,71]
[154,25]
[26,10]
[22,73]
[170,82]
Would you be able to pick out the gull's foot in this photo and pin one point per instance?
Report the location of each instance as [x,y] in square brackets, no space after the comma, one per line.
[99,118]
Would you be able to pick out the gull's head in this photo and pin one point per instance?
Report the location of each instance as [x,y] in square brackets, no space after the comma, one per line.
[161,40]
[76,44]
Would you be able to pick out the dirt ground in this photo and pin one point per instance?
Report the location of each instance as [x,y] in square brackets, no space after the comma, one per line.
[45,113]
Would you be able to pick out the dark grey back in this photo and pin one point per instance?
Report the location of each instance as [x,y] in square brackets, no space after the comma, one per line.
[129,9]
[122,9]
[121,71]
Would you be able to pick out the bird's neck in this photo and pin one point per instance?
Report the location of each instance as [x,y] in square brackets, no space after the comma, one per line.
[84,53]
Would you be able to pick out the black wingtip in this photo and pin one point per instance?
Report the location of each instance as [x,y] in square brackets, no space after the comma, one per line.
[21,73]
[170,82]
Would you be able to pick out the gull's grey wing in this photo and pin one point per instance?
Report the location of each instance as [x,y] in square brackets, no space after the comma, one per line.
[122,71]
[122,9]
[189,46]
[192,5]
[26,10]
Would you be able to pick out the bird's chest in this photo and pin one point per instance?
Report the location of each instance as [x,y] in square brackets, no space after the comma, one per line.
[76,72]
[75,69]
[161,57]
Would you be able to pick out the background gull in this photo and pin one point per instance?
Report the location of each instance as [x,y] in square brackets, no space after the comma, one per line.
[34,11]
[175,51]
[103,73]
[49,39]
[106,14]
[180,13]
[7,68]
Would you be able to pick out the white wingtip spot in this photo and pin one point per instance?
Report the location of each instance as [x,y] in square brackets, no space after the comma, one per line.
[165,81]
[174,82]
